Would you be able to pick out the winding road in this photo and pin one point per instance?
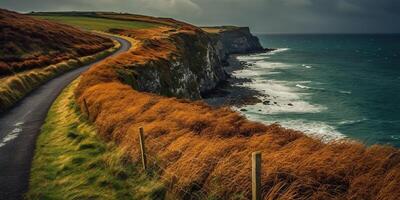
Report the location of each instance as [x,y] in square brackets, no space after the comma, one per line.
[20,126]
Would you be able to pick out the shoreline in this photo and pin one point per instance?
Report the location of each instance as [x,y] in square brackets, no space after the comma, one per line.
[230,92]
[251,102]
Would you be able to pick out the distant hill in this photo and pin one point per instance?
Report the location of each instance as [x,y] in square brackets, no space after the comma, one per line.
[27,42]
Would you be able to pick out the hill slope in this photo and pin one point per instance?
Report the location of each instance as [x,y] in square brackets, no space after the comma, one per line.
[27,43]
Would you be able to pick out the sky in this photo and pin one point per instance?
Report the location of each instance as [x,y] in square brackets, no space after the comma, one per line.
[263,16]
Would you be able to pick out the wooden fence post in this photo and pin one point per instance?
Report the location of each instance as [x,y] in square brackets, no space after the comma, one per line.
[86,108]
[142,148]
[256,175]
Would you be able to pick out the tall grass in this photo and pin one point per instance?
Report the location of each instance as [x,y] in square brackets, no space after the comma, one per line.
[16,87]
[201,149]
[72,162]
[29,43]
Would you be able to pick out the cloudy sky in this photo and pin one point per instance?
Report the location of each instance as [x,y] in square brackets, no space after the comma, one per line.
[263,16]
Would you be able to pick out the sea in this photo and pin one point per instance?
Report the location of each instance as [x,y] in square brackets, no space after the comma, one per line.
[330,86]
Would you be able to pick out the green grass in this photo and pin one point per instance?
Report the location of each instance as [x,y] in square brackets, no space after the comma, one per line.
[72,162]
[100,24]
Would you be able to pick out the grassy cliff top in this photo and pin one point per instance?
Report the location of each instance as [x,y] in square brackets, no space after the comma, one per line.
[148,20]
[99,24]
[219,29]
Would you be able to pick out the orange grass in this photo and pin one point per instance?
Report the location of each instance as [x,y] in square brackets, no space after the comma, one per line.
[27,43]
[199,149]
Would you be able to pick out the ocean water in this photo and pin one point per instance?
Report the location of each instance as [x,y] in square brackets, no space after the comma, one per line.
[329,86]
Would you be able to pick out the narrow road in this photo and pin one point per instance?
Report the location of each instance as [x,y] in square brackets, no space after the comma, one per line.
[20,126]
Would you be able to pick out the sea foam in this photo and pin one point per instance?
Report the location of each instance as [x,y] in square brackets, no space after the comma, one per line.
[315,129]
[279,97]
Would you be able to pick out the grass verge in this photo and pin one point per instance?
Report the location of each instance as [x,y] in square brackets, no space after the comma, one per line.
[72,162]
[97,23]
[16,87]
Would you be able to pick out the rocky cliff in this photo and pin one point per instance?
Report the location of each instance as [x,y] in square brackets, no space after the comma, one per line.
[233,40]
[187,62]
[177,63]
[181,61]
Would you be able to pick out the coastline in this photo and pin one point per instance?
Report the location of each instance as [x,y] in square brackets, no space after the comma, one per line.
[255,103]
[230,92]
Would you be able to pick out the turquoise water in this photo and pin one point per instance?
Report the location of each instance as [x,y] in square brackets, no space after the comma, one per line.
[329,86]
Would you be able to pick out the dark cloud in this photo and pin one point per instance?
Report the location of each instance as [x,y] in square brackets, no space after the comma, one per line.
[294,16]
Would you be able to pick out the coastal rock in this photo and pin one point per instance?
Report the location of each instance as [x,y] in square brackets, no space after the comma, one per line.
[193,69]
[197,66]
[233,40]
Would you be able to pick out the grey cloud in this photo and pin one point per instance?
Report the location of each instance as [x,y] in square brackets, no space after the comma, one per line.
[293,16]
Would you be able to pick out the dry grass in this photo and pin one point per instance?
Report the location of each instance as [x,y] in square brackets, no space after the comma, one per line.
[28,43]
[212,148]
[15,87]
[202,150]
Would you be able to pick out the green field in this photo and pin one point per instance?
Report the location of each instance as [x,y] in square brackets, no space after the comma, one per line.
[72,162]
[99,24]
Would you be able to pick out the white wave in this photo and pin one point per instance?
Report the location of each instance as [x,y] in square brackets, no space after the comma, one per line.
[348,122]
[288,99]
[279,50]
[280,98]
[302,86]
[304,81]
[259,68]
[279,106]
[270,65]
[311,88]
[395,137]
[315,129]
[271,73]
[322,89]
[245,73]
[345,92]
[307,66]
[251,57]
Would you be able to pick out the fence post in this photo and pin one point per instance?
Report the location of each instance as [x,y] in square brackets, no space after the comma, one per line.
[86,108]
[256,175]
[142,148]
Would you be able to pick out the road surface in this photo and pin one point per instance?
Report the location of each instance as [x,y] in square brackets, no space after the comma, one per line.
[20,126]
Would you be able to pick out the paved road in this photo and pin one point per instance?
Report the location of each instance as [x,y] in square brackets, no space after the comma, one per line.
[20,126]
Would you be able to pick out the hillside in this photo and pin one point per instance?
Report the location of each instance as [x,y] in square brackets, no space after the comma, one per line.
[27,43]
[205,152]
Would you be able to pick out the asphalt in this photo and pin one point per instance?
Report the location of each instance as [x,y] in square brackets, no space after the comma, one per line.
[20,126]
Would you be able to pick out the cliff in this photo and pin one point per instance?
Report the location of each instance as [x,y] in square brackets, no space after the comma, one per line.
[176,63]
[233,40]
[193,63]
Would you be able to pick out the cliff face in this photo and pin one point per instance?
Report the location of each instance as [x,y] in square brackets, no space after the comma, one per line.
[233,40]
[183,62]
[187,65]
[195,64]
